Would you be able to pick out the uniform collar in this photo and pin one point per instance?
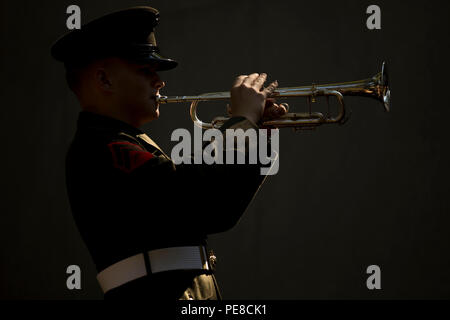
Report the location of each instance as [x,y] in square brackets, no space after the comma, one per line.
[89,119]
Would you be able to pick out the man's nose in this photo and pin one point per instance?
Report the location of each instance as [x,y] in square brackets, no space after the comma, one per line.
[159,84]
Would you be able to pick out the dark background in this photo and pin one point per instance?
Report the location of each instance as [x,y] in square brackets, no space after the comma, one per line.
[373,191]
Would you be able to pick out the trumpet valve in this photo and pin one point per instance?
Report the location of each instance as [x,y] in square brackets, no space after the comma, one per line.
[313,93]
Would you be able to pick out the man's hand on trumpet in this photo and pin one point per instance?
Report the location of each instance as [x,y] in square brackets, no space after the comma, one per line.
[251,100]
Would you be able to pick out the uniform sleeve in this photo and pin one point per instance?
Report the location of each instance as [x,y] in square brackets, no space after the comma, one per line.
[210,198]
[226,190]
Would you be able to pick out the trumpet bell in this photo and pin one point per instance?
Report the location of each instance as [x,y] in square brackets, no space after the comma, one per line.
[384,87]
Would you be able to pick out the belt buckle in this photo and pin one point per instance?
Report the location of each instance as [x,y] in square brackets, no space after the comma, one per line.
[212,260]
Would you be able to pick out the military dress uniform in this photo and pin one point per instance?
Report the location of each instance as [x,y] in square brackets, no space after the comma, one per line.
[145,220]
[128,198]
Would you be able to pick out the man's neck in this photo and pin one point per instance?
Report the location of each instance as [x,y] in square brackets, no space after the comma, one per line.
[113,113]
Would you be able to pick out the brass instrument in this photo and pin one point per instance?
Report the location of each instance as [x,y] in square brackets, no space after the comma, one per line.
[376,87]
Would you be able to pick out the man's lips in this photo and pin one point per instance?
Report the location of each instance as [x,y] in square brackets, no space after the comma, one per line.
[154,98]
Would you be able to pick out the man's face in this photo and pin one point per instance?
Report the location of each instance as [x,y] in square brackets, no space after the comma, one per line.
[135,87]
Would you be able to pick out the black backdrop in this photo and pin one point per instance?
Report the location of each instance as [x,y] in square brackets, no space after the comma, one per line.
[373,191]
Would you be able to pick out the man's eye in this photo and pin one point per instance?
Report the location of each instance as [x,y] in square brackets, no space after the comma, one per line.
[147,71]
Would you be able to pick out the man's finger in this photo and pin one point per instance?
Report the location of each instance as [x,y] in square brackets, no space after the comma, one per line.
[250,79]
[270,88]
[269,103]
[238,81]
[259,82]
[268,111]
[286,106]
[229,109]
[275,111]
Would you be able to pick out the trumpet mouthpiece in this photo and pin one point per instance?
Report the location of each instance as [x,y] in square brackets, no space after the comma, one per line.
[160,98]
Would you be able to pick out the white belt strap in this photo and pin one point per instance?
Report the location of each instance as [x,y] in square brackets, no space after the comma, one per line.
[166,259]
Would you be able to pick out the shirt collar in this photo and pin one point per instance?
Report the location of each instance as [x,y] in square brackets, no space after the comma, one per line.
[90,119]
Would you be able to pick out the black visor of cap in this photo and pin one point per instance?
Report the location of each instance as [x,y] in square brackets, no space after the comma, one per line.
[146,54]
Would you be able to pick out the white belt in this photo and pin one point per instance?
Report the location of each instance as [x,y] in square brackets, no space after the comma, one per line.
[174,258]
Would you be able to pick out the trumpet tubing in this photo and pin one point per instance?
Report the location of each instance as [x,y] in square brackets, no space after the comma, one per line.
[376,87]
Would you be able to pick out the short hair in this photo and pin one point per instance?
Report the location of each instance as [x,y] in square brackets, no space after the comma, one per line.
[73,78]
[74,72]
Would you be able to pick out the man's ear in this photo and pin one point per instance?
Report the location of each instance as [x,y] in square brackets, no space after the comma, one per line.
[103,79]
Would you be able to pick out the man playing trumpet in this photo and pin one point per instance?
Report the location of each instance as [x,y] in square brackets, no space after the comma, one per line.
[132,205]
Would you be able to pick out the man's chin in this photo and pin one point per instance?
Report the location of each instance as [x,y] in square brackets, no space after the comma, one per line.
[154,115]
[150,116]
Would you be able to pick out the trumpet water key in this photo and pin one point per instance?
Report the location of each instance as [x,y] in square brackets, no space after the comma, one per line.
[376,87]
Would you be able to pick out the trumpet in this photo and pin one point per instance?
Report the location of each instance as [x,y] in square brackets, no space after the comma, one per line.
[376,87]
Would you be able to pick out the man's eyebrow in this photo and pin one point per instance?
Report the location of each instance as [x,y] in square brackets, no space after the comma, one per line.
[147,65]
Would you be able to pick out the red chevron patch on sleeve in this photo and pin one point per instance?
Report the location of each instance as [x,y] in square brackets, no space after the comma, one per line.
[128,156]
